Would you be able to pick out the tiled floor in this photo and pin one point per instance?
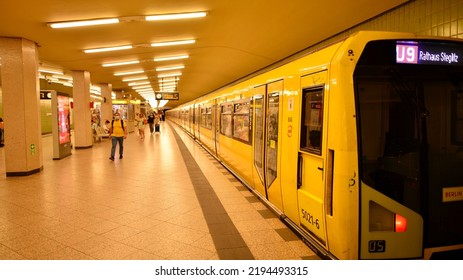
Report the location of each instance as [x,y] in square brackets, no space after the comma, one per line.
[166,199]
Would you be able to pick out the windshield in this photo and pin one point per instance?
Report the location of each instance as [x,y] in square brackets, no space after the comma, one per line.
[411,125]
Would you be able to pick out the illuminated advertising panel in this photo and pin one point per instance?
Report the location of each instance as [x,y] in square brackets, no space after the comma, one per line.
[410,52]
[63,119]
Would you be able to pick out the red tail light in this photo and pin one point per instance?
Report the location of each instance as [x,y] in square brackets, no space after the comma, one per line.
[400,223]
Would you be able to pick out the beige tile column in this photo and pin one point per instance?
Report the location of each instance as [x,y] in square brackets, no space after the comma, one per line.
[82,116]
[107,104]
[119,95]
[20,86]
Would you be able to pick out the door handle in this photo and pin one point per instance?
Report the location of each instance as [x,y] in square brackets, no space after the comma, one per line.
[299,170]
[320,168]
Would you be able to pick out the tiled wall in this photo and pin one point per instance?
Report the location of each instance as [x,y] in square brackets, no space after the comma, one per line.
[422,17]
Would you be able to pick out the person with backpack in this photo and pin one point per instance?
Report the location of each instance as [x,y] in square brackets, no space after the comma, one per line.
[151,122]
[117,134]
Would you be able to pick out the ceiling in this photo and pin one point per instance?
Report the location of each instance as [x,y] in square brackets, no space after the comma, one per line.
[236,38]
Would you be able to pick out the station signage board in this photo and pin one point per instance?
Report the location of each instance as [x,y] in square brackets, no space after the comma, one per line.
[166,95]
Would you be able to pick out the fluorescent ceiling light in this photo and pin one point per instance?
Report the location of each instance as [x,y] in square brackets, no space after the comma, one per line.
[142,87]
[169,75]
[164,80]
[171,57]
[135,79]
[120,63]
[170,68]
[63,78]
[79,23]
[168,84]
[175,16]
[108,49]
[138,83]
[173,43]
[51,71]
[129,73]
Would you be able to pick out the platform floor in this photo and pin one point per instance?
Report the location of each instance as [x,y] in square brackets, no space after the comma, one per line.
[167,199]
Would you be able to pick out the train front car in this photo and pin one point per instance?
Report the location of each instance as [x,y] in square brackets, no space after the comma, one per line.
[409,110]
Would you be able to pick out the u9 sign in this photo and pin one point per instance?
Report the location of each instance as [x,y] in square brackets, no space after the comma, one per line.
[428,53]
[407,54]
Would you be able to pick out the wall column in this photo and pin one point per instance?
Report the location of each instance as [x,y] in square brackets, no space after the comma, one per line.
[21,107]
[107,104]
[82,115]
[119,95]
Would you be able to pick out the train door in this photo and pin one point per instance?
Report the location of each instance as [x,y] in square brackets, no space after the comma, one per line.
[197,121]
[311,158]
[215,123]
[191,119]
[266,141]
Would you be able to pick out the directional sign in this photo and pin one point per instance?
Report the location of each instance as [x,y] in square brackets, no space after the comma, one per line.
[166,95]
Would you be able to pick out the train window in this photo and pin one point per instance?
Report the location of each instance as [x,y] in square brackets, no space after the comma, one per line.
[203,115]
[226,120]
[312,124]
[241,123]
[206,117]
[209,117]
[259,132]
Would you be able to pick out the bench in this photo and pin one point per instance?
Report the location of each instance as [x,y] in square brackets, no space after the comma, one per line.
[99,133]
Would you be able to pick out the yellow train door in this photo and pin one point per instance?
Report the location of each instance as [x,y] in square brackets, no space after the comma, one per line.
[215,125]
[311,158]
[266,141]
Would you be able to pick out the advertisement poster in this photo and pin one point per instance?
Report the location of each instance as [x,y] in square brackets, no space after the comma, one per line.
[63,119]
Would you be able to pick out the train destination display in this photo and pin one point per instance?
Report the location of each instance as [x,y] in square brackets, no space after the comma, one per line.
[428,53]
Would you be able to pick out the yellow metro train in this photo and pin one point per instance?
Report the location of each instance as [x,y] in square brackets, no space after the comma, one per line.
[357,146]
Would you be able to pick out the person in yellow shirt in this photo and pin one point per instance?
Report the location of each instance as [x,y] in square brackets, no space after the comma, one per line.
[117,134]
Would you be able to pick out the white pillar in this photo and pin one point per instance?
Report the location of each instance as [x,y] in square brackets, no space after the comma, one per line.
[107,104]
[83,134]
[21,106]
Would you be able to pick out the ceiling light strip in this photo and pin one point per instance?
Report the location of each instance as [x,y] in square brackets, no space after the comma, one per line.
[175,16]
[51,71]
[142,87]
[129,73]
[138,83]
[169,75]
[168,84]
[80,23]
[135,79]
[166,58]
[173,43]
[108,49]
[165,80]
[120,63]
[170,68]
